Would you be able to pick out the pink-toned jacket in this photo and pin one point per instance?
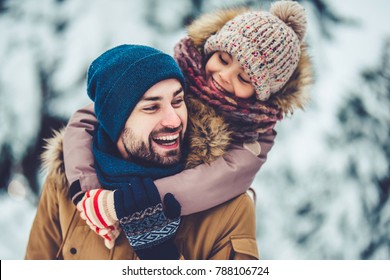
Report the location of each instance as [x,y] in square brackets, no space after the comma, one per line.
[196,189]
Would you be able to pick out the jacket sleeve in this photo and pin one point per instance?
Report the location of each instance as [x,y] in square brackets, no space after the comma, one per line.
[45,235]
[78,156]
[225,178]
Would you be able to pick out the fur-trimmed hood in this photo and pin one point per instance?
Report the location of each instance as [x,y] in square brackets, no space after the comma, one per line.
[294,95]
[53,158]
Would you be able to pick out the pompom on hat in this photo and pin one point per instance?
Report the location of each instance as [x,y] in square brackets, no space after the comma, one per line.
[266,44]
[118,79]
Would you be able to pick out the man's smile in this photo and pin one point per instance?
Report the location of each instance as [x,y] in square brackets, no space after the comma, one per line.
[167,141]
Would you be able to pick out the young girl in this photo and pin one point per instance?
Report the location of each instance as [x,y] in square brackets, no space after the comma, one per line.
[245,71]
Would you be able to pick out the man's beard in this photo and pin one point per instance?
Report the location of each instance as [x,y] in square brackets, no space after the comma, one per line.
[140,153]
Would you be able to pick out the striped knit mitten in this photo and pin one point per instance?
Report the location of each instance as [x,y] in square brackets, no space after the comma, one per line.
[150,227]
[97,209]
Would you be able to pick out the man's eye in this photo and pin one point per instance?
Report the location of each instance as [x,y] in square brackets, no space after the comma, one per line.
[150,108]
[178,102]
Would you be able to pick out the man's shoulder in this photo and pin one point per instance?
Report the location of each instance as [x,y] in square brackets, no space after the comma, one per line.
[241,203]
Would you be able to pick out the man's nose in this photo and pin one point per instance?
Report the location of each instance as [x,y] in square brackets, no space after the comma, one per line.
[171,118]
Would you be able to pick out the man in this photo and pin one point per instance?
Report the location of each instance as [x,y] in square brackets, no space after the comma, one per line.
[142,118]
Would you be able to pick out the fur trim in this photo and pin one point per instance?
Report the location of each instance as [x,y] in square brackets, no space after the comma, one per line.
[53,158]
[208,24]
[209,135]
[294,95]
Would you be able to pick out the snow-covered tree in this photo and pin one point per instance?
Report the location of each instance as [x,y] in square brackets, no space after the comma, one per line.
[364,138]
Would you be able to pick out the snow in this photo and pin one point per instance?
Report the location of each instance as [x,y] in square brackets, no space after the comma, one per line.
[15,222]
[16,95]
[299,217]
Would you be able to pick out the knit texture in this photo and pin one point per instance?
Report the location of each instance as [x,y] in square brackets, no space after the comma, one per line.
[98,206]
[245,117]
[266,44]
[97,209]
[147,225]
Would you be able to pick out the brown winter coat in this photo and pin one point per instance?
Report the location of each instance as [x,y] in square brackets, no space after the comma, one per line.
[223,232]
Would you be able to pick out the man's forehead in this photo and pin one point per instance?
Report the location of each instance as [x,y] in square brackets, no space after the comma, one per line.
[164,89]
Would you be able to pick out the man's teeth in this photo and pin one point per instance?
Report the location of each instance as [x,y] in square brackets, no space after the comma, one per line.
[167,138]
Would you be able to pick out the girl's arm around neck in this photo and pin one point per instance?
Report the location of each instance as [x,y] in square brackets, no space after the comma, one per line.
[209,185]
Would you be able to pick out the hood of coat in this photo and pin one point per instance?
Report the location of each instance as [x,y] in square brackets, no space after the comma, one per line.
[53,158]
[294,95]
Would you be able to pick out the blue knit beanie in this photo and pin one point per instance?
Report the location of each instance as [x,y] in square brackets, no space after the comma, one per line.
[118,79]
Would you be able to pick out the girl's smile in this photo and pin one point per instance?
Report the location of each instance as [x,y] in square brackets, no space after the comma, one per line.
[225,74]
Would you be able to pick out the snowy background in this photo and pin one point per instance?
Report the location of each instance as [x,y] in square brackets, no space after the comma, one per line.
[324,191]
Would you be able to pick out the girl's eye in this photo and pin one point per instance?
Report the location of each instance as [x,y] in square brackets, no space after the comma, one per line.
[224,61]
[244,80]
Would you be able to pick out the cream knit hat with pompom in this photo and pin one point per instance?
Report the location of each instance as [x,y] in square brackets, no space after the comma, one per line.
[267,44]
